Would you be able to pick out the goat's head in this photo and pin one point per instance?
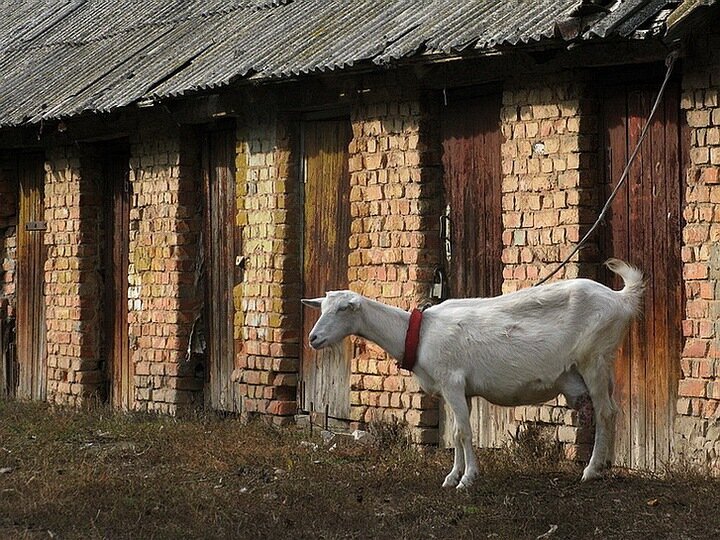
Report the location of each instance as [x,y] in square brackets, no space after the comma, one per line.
[339,317]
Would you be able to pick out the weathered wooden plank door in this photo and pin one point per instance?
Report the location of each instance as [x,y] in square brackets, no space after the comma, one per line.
[31,253]
[221,242]
[472,176]
[325,374]
[121,373]
[645,228]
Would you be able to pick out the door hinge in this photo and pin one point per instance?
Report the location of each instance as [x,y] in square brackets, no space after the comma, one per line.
[36,226]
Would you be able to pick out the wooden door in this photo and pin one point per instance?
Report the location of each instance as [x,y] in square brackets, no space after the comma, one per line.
[121,373]
[472,176]
[644,228]
[31,253]
[221,243]
[325,374]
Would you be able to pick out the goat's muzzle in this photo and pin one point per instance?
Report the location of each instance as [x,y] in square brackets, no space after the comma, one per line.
[315,341]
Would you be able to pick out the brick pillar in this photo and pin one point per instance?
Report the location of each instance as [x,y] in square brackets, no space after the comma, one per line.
[8,235]
[164,291]
[73,211]
[268,319]
[548,203]
[548,182]
[394,203]
[697,425]
[8,259]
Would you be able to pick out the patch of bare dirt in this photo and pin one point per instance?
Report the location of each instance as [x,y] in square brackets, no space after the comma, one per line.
[100,474]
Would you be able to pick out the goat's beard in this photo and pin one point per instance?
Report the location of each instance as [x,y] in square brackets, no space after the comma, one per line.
[335,348]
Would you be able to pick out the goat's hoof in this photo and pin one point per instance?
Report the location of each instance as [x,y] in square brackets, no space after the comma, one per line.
[466,481]
[591,473]
[452,480]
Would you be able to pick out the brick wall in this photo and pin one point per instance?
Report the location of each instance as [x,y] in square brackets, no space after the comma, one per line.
[165,295]
[394,203]
[268,318]
[697,426]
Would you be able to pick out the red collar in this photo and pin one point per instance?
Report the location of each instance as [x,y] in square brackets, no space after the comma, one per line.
[412,339]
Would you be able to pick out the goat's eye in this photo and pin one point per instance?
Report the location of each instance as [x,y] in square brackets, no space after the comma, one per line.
[343,307]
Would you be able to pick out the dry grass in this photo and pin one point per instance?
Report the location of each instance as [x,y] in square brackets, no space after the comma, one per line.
[98,474]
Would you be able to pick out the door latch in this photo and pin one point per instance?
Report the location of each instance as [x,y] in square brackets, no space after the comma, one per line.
[439,286]
[446,233]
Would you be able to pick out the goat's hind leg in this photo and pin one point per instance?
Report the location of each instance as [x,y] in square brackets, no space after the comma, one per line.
[465,467]
[599,383]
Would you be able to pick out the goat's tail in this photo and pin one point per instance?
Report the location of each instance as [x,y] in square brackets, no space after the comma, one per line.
[634,283]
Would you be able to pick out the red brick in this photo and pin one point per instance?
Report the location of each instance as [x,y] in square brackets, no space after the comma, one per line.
[371,382]
[394,383]
[692,388]
[424,418]
[695,271]
[710,175]
[695,348]
[706,368]
[697,309]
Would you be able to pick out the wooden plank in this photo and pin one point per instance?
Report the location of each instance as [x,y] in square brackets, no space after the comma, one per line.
[636,240]
[656,251]
[215,303]
[677,163]
[22,289]
[227,144]
[31,333]
[325,375]
[668,298]
[208,313]
[616,155]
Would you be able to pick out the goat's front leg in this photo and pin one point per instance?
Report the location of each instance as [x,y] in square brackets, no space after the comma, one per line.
[464,463]
[453,479]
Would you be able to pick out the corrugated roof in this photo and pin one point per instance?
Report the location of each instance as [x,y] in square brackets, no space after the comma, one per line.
[63,57]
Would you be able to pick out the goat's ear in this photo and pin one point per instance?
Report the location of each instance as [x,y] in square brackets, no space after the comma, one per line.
[314,303]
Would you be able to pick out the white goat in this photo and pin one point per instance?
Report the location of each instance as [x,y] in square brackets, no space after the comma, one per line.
[520,348]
